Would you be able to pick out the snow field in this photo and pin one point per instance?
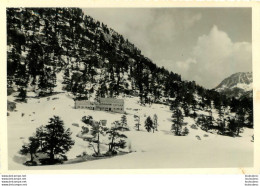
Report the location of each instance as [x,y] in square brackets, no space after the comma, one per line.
[149,150]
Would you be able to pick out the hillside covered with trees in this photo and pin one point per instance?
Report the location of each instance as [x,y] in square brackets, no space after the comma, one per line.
[96,61]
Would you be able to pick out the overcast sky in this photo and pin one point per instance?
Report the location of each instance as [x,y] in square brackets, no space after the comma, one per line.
[201,44]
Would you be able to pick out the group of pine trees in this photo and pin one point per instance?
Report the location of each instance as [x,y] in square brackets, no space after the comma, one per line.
[51,141]
[115,132]
[178,121]
[224,123]
[115,135]
[32,50]
[44,41]
[151,124]
[232,114]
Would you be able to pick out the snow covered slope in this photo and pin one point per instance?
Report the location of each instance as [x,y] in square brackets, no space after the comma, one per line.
[149,150]
[237,85]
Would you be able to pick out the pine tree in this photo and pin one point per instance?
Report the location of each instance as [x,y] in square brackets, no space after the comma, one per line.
[185,131]
[67,80]
[22,94]
[137,120]
[56,140]
[40,135]
[35,62]
[31,148]
[148,124]
[232,126]
[87,119]
[221,119]
[117,139]
[124,121]
[47,81]
[177,119]
[210,118]
[51,81]
[155,122]
[13,60]
[96,130]
[240,117]
[21,76]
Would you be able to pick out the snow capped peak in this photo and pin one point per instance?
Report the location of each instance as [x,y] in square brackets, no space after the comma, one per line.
[237,84]
[235,79]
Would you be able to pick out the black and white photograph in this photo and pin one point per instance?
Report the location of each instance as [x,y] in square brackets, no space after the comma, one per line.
[129,88]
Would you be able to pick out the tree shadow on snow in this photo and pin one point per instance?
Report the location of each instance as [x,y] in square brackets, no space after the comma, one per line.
[167,132]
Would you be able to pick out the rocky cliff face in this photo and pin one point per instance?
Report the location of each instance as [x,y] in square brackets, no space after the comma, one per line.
[237,85]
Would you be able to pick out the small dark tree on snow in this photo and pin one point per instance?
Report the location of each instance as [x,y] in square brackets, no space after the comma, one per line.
[148,124]
[22,94]
[117,139]
[86,119]
[137,120]
[240,116]
[31,148]
[56,140]
[155,122]
[233,126]
[221,126]
[124,122]
[177,119]
[185,131]
[220,120]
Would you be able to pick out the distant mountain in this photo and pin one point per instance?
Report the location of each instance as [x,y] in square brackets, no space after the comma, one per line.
[237,85]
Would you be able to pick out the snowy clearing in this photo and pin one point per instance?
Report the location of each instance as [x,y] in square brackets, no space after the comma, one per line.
[149,150]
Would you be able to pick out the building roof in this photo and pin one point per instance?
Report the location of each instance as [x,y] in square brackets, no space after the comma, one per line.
[83,101]
[101,100]
[111,100]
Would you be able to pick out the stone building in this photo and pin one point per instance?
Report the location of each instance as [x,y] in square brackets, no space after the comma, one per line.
[103,104]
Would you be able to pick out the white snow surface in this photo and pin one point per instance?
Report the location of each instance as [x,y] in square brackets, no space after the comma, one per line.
[245,87]
[149,150]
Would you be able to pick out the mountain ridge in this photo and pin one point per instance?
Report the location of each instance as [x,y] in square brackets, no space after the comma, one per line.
[237,85]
